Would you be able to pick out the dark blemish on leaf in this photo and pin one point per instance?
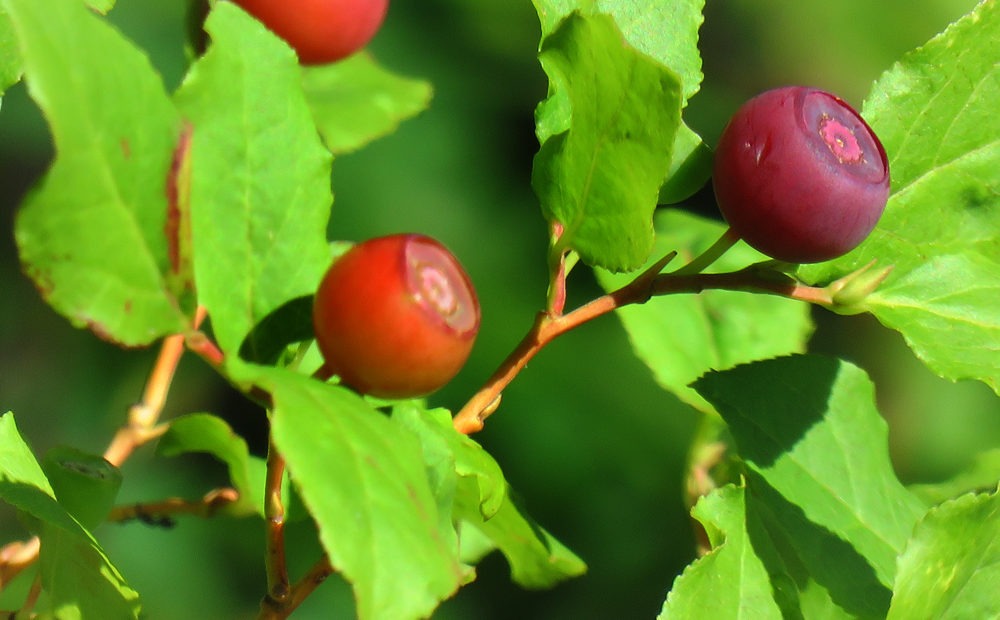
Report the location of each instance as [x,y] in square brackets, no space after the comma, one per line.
[977,196]
[173,228]
[126,148]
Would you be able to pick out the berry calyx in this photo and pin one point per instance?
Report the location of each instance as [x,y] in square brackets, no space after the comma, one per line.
[799,175]
[396,316]
[320,31]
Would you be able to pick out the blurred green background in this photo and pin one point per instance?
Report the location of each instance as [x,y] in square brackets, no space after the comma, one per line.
[595,449]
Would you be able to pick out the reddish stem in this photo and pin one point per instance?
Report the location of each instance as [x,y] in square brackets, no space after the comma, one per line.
[272,610]
[472,416]
[274,513]
[15,557]
[207,506]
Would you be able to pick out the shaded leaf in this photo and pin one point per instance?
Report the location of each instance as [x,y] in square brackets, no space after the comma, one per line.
[690,167]
[817,457]
[76,574]
[465,457]
[85,484]
[473,489]
[288,324]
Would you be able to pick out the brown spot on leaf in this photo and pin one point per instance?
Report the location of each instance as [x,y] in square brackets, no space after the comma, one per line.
[178,176]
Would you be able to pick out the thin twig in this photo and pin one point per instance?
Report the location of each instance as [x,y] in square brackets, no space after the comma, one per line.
[274,513]
[274,610]
[143,415]
[29,602]
[15,557]
[472,416]
[709,256]
[141,426]
[160,512]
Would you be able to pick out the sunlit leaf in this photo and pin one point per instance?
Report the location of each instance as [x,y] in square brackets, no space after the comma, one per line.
[91,235]
[260,187]
[356,101]
[731,581]
[951,566]
[607,131]
[935,112]
[364,481]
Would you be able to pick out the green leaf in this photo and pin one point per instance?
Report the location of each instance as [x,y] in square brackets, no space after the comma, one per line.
[667,31]
[464,457]
[206,433]
[76,574]
[260,188]
[935,112]
[816,452]
[101,6]
[951,566]
[469,484]
[91,235]
[10,56]
[289,324]
[690,167]
[747,591]
[681,336]
[356,101]
[86,485]
[537,560]
[364,481]
[606,131]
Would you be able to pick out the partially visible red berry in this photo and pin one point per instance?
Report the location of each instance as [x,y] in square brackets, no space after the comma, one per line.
[320,31]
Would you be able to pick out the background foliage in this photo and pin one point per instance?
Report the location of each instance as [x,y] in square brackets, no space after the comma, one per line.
[595,448]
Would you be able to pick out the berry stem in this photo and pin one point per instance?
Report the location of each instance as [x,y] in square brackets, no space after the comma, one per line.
[546,327]
[712,254]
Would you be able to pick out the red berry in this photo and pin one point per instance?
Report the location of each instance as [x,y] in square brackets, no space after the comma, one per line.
[800,176]
[320,31]
[396,316]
